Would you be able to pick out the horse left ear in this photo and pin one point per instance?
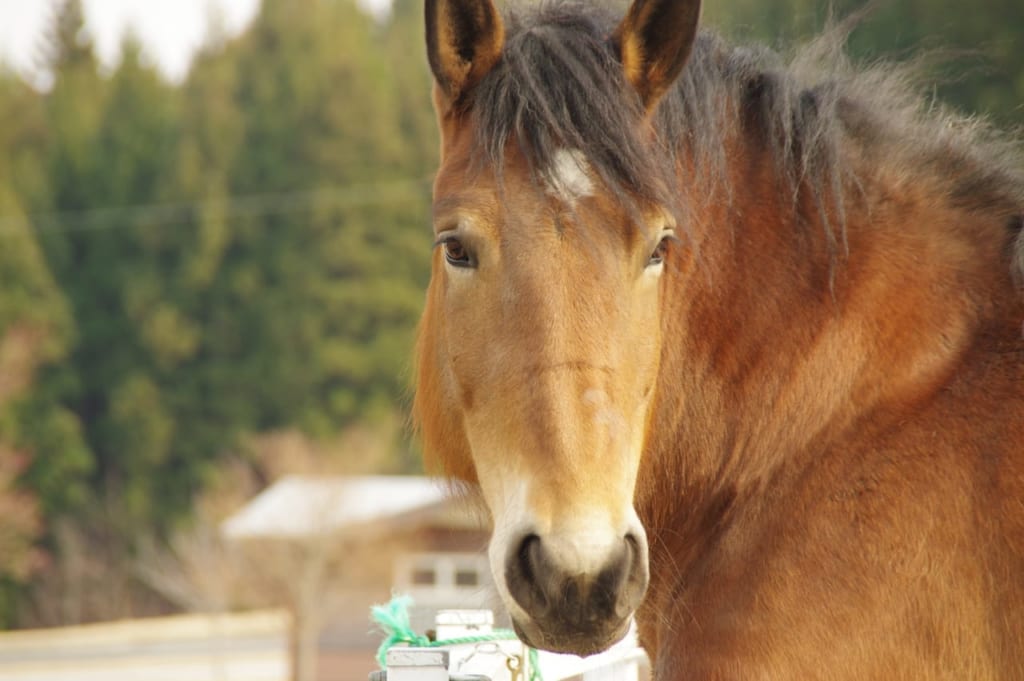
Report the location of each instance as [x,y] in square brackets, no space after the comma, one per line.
[464,42]
[654,41]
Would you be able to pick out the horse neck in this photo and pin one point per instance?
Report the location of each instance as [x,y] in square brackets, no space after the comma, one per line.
[776,346]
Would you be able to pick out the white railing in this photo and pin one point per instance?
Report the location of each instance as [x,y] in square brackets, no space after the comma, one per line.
[504,660]
[225,647]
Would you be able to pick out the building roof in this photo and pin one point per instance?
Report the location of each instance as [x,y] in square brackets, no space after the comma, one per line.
[300,506]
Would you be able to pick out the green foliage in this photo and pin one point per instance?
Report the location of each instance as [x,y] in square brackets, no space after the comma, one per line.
[975,47]
[35,329]
[68,45]
[243,253]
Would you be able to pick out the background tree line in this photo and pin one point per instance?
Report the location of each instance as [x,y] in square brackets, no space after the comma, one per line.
[184,267]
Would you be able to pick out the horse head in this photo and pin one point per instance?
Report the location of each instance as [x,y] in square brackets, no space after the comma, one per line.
[540,344]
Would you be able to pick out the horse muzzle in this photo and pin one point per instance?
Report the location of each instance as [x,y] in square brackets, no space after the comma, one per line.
[573,606]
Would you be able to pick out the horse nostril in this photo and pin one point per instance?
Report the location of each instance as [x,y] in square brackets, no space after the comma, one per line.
[528,557]
[608,587]
[635,550]
[524,570]
[634,583]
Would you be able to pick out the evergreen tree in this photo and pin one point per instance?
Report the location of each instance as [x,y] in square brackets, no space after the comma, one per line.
[42,461]
[132,334]
[317,296]
[70,113]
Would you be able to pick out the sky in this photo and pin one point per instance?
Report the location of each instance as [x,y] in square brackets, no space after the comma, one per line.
[170,30]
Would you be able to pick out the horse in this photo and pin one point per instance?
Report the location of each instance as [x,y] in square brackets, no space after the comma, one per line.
[727,345]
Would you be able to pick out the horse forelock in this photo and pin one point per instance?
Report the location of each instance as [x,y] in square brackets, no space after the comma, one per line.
[559,88]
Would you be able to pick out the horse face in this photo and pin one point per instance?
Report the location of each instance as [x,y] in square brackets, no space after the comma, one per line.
[540,344]
[548,335]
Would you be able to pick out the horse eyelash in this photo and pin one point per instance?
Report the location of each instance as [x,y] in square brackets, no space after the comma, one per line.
[442,240]
[672,240]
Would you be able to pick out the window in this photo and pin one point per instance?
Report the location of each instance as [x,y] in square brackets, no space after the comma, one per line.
[423,576]
[466,577]
[442,572]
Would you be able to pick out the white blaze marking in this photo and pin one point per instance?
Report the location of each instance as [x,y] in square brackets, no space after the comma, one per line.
[584,542]
[570,178]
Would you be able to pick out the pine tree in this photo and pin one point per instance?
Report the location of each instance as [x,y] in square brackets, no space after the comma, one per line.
[42,463]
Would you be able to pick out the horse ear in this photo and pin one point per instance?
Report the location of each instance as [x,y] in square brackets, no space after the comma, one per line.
[654,42]
[464,42]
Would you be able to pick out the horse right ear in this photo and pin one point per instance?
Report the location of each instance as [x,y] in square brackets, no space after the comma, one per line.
[654,41]
[464,42]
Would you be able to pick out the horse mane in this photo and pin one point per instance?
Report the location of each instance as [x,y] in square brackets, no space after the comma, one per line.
[559,85]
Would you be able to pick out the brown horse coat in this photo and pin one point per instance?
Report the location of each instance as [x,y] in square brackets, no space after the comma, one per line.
[812,395]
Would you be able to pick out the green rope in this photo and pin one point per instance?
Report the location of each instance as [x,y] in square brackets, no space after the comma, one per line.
[393,620]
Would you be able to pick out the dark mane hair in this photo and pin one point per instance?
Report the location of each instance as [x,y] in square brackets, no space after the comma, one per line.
[559,85]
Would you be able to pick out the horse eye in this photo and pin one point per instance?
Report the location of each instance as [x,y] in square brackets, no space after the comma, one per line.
[660,251]
[456,254]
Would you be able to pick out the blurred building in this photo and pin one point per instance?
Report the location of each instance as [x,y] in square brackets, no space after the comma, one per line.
[331,547]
